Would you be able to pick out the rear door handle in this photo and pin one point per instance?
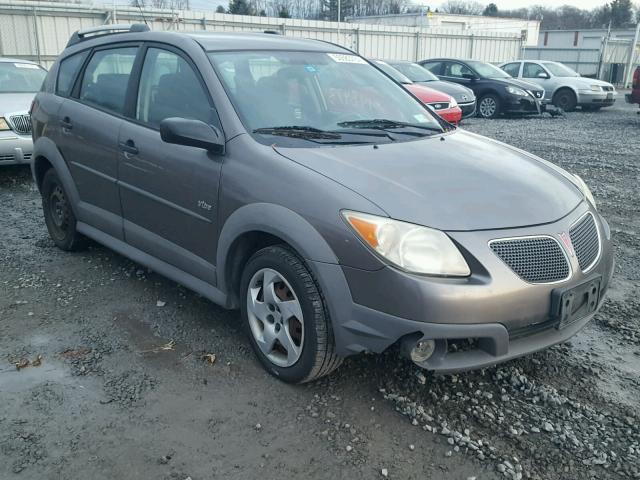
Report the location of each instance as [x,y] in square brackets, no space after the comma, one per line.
[129,147]
[66,123]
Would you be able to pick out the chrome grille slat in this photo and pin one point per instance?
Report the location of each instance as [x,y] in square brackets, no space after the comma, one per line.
[21,123]
[586,241]
[538,259]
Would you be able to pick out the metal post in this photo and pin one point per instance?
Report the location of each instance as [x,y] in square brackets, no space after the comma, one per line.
[417,51]
[471,47]
[35,31]
[356,35]
[632,52]
[339,8]
[603,51]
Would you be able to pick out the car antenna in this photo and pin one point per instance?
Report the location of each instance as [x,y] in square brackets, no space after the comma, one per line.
[141,13]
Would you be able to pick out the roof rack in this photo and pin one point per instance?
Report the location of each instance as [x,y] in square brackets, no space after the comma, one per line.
[85,33]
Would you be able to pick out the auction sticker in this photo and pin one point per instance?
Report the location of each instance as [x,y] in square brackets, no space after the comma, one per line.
[26,65]
[343,58]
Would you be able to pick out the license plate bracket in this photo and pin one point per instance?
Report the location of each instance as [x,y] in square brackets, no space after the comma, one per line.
[573,304]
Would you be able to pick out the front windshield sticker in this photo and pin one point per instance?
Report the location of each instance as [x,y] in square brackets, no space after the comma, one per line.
[310,68]
[26,65]
[420,118]
[342,58]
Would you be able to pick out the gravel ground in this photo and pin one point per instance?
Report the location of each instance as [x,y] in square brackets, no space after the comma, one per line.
[119,385]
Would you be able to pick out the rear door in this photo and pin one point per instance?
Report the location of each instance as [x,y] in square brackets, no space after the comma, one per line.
[169,192]
[90,121]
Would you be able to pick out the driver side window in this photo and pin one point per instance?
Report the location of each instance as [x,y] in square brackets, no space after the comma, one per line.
[457,70]
[532,70]
[169,87]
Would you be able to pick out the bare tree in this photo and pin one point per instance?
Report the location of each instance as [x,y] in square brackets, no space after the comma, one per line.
[462,7]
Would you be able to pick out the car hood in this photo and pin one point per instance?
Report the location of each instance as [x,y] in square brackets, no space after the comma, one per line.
[517,83]
[453,89]
[455,182]
[15,102]
[426,94]
[585,83]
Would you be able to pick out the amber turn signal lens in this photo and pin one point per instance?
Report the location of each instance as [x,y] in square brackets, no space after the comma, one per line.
[366,230]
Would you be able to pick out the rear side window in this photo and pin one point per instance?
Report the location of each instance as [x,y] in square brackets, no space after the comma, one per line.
[169,87]
[512,69]
[67,72]
[106,77]
[457,70]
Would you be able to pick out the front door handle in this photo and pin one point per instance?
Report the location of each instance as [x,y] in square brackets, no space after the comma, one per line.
[129,147]
[66,123]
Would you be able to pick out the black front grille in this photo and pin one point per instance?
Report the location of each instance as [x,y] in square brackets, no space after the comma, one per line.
[586,243]
[533,259]
[607,88]
[21,123]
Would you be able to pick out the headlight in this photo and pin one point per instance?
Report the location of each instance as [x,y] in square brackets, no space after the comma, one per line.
[452,102]
[3,125]
[585,191]
[411,247]
[596,88]
[516,91]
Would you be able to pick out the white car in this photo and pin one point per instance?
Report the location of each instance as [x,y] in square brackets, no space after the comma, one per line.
[564,87]
[20,80]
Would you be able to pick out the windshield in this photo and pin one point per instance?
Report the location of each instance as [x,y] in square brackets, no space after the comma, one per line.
[20,77]
[415,72]
[486,70]
[392,72]
[559,70]
[321,96]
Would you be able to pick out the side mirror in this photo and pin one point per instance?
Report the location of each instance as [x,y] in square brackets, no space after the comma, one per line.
[543,75]
[191,133]
[469,76]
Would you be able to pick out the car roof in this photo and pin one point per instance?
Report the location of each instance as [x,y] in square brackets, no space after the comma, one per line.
[16,60]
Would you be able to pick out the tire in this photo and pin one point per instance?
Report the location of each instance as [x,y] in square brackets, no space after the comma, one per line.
[565,99]
[58,215]
[489,106]
[292,349]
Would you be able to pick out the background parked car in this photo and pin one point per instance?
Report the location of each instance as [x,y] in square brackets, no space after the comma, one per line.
[442,103]
[563,87]
[417,74]
[634,96]
[495,90]
[19,82]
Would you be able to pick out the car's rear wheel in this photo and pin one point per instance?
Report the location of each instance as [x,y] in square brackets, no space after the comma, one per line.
[286,317]
[489,106]
[566,100]
[58,215]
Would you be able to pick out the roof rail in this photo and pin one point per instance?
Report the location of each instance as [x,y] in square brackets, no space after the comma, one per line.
[85,33]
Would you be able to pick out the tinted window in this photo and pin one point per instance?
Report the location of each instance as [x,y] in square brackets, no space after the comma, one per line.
[560,70]
[457,70]
[512,68]
[415,72]
[532,70]
[67,72]
[105,79]
[18,77]
[433,67]
[170,88]
[392,72]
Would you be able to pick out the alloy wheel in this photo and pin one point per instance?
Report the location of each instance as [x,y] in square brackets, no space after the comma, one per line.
[275,317]
[488,107]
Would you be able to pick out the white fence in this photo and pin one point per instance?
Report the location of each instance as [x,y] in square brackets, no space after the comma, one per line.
[39,31]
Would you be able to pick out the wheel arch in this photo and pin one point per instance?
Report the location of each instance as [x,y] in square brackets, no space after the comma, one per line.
[45,156]
[256,226]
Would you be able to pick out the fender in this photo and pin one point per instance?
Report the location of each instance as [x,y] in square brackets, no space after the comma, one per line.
[278,221]
[45,149]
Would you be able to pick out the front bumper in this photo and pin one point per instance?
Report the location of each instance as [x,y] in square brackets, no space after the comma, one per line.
[468,109]
[15,148]
[505,316]
[525,105]
[602,99]
[451,115]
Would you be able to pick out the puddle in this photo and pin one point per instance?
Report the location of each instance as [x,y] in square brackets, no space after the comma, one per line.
[16,381]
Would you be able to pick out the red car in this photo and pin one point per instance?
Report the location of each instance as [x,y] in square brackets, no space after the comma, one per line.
[443,104]
[634,96]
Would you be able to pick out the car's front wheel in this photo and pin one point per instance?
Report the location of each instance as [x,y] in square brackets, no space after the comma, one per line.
[489,106]
[58,215]
[286,317]
[565,99]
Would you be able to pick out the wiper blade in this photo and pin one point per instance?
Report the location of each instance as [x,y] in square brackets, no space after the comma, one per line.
[296,131]
[383,123]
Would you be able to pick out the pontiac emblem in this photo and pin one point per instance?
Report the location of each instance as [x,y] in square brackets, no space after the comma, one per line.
[566,240]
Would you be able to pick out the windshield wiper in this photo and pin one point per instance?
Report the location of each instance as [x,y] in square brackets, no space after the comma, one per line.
[296,131]
[384,124]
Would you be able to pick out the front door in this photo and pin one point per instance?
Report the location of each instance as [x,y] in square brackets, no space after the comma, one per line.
[169,192]
[531,72]
[90,121]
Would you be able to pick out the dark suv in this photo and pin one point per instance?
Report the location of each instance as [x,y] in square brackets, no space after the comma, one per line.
[293,180]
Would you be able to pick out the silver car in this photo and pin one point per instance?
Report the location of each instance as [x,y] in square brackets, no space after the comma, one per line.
[564,87]
[19,82]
